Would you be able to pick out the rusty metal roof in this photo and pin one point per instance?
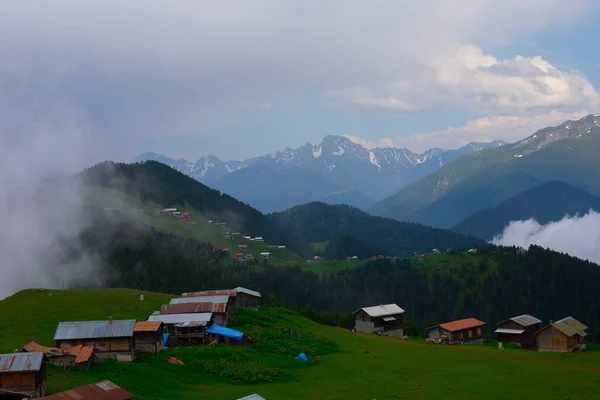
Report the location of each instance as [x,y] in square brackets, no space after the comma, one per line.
[201,318]
[461,324]
[147,326]
[201,299]
[226,292]
[219,307]
[523,320]
[81,353]
[94,329]
[21,362]
[104,390]
[186,308]
[382,310]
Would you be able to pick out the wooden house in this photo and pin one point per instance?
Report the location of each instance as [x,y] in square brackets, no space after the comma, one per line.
[81,357]
[111,339]
[387,319]
[23,375]
[463,331]
[221,306]
[185,329]
[148,336]
[564,335]
[104,390]
[519,330]
[238,298]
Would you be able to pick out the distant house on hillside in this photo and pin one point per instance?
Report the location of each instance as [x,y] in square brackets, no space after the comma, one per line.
[564,335]
[463,331]
[186,216]
[185,328]
[252,397]
[104,390]
[220,308]
[266,255]
[436,250]
[22,375]
[148,336]
[112,339]
[242,246]
[238,298]
[387,319]
[519,330]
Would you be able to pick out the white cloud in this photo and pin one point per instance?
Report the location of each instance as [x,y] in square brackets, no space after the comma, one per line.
[578,236]
[509,128]
[190,67]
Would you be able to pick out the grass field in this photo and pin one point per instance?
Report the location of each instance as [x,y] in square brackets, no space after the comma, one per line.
[342,365]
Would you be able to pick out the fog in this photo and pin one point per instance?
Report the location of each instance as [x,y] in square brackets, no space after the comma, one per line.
[578,236]
[41,208]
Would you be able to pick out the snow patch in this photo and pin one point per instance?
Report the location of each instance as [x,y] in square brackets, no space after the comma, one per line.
[374,160]
[317,150]
[339,152]
[518,155]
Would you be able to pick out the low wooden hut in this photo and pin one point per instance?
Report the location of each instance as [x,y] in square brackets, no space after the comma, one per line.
[185,329]
[112,339]
[148,336]
[463,331]
[519,330]
[564,335]
[387,319]
[104,390]
[220,306]
[81,357]
[23,375]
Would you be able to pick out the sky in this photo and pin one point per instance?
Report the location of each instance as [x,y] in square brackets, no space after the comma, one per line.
[101,79]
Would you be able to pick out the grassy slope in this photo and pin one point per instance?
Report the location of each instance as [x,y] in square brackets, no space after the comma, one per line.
[349,366]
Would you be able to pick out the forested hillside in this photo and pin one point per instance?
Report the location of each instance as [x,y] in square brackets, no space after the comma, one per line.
[493,284]
[153,182]
[317,222]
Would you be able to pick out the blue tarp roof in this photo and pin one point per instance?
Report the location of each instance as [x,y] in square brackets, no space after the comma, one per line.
[216,329]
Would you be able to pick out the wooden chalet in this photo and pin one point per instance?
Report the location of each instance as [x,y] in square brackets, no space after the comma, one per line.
[148,336]
[104,390]
[22,375]
[81,357]
[238,298]
[462,331]
[564,335]
[387,319]
[220,306]
[519,330]
[185,329]
[112,339]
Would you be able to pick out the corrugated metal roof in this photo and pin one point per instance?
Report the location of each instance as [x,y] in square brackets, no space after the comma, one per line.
[186,308]
[94,329]
[525,320]
[147,326]
[382,310]
[219,307]
[461,324]
[81,353]
[240,289]
[573,323]
[203,299]
[21,362]
[569,326]
[389,318]
[252,397]
[104,390]
[226,292]
[201,318]
[511,331]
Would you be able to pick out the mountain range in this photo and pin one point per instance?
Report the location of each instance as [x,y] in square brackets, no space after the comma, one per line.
[334,171]
[485,179]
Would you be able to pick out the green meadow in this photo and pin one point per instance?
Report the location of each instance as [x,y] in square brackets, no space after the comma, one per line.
[342,365]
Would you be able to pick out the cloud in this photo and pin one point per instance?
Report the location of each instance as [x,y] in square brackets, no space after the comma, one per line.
[132,72]
[480,83]
[509,128]
[578,236]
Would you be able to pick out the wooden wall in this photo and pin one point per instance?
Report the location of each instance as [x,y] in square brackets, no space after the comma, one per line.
[102,344]
[24,382]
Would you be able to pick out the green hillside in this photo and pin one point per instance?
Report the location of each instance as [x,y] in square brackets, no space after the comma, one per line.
[482,180]
[545,203]
[341,364]
[317,222]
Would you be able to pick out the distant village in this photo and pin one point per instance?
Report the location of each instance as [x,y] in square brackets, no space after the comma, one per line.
[194,319]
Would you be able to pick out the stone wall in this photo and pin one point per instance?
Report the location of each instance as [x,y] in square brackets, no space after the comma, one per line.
[364,326]
[147,348]
[112,355]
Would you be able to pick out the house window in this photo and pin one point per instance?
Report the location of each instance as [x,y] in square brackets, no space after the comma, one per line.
[478,331]
[470,333]
[460,336]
